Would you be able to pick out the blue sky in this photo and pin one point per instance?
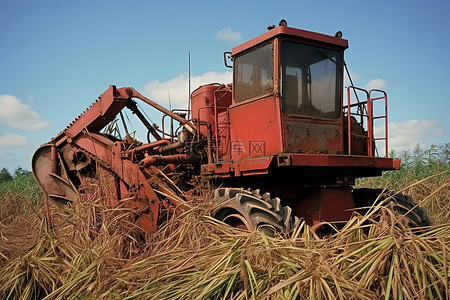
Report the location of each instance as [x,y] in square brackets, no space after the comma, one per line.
[56,57]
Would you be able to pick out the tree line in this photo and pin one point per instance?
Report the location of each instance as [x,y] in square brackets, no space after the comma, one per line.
[5,175]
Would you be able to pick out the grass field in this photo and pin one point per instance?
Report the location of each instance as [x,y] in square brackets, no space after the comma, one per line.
[93,252]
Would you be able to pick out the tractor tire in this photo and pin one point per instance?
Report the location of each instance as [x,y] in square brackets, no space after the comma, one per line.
[403,204]
[249,210]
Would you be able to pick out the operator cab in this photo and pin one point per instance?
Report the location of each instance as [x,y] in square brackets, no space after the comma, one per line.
[311,78]
[301,73]
[286,108]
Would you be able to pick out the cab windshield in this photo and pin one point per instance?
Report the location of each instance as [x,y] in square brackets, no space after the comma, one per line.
[310,81]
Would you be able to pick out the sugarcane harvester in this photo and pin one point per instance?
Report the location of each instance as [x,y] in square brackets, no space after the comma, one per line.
[282,142]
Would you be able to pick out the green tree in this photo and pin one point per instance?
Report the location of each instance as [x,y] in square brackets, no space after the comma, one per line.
[19,171]
[5,175]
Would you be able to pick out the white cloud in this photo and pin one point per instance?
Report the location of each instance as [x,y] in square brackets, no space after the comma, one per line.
[229,35]
[410,133]
[15,114]
[355,77]
[11,140]
[178,87]
[375,84]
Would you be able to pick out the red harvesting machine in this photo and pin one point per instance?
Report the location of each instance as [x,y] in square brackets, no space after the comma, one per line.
[284,141]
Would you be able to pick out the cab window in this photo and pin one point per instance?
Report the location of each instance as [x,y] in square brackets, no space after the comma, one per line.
[253,73]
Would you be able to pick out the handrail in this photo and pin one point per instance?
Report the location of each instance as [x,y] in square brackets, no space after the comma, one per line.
[349,114]
[385,138]
[368,106]
[356,104]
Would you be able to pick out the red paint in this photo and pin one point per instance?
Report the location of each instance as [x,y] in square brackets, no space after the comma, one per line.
[331,205]
[252,123]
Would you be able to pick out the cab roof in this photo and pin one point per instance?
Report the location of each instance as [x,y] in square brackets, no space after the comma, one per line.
[284,30]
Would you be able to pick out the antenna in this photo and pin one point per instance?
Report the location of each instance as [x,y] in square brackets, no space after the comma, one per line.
[189,85]
[170,103]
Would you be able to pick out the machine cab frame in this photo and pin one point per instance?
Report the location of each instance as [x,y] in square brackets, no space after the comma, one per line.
[287,110]
[301,74]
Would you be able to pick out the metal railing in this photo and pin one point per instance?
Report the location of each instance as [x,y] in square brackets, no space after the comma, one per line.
[365,112]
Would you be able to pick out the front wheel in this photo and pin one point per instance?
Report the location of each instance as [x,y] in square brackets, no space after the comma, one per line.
[249,210]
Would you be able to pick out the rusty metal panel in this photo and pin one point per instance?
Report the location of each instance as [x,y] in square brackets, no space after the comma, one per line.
[331,205]
[308,137]
[316,160]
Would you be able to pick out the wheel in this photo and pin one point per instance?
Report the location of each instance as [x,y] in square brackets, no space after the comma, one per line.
[417,216]
[249,210]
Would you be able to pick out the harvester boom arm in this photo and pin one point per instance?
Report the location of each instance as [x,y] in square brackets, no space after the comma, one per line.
[106,108]
[162,109]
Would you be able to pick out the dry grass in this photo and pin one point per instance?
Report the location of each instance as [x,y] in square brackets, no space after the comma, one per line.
[432,192]
[95,252]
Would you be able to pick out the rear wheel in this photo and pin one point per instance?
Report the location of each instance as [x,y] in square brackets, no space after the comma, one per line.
[416,215]
[249,210]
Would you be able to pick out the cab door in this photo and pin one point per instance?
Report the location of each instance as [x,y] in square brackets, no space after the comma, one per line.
[311,98]
[255,113]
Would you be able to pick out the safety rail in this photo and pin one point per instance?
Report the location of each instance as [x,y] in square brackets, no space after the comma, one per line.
[372,100]
[365,112]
